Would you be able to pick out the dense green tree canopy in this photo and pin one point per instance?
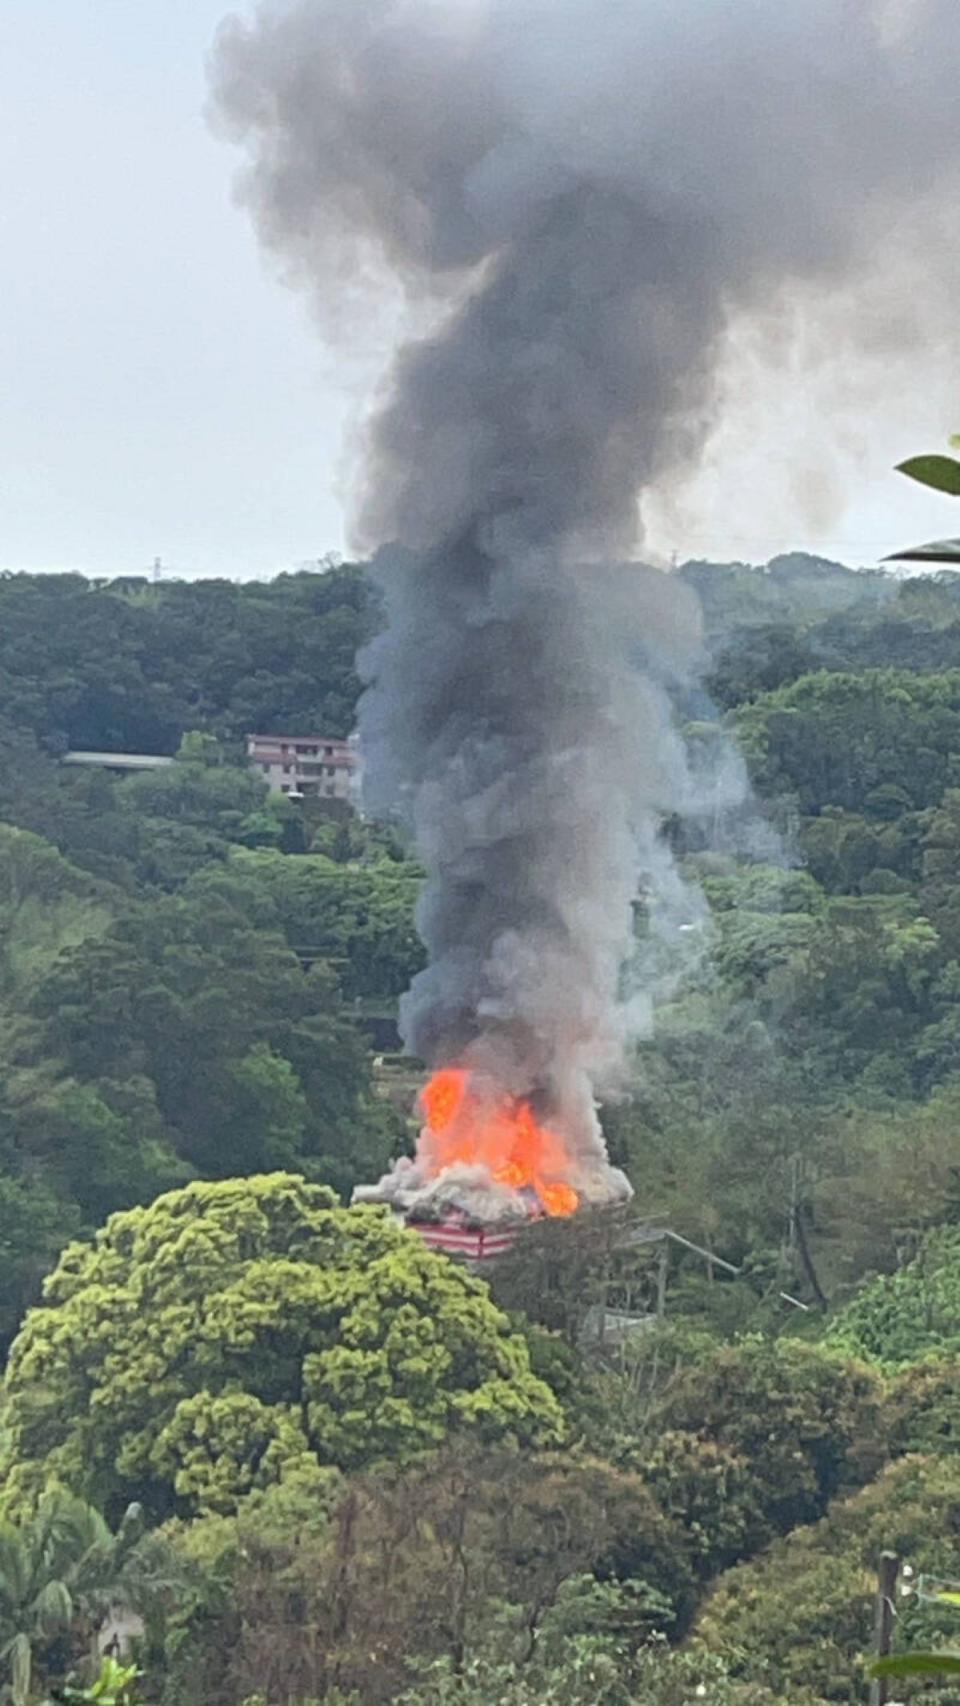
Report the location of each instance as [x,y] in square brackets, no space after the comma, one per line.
[465,1553]
[899,1317]
[144,1038]
[204,1344]
[803,1611]
[190,976]
[804,1422]
[126,666]
[593,1671]
[180,1036]
[840,738]
[359,919]
[190,995]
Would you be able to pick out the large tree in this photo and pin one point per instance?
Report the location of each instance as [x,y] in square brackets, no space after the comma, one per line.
[804,1423]
[202,1345]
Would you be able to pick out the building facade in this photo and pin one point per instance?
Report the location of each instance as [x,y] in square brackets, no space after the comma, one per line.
[302,766]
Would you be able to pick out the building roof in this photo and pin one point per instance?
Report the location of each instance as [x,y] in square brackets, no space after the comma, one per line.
[118,760]
[315,740]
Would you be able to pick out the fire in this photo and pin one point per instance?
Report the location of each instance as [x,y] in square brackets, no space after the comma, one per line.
[467,1123]
[443,1098]
[560,1200]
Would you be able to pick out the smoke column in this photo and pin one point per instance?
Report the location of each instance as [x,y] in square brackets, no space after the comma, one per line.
[581,198]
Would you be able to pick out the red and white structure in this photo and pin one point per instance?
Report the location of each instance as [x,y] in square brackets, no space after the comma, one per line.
[470,1243]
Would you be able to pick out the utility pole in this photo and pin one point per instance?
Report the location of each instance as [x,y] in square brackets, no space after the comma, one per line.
[797,1243]
[792,1210]
[883,1620]
[663,1267]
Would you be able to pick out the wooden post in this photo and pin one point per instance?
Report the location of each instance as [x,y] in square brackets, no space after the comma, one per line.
[883,1620]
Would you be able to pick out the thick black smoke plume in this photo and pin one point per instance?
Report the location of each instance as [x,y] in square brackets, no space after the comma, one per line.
[585,195]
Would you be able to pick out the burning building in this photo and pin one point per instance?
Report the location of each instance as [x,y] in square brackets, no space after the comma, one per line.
[572,207]
[484,1159]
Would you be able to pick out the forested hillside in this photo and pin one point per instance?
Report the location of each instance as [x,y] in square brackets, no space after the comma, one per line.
[361,1476]
[132,665]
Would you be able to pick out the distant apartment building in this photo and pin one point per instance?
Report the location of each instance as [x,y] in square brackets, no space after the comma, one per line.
[304,765]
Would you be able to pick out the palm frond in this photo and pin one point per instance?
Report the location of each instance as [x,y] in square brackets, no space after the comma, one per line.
[63,1532]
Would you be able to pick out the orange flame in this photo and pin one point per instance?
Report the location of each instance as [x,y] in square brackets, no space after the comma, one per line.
[443,1098]
[465,1123]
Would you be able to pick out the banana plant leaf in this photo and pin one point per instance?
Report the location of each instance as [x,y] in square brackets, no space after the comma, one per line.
[940,551]
[940,473]
[918,1664]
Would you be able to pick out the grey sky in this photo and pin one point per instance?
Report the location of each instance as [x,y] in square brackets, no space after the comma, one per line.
[160,394]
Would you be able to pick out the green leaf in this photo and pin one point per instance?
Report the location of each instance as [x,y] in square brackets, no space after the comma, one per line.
[53,1607]
[918,1664]
[940,472]
[20,1655]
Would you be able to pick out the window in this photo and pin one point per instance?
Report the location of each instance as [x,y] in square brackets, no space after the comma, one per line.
[266,769]
[284,787]
[331,770]
[329,751]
